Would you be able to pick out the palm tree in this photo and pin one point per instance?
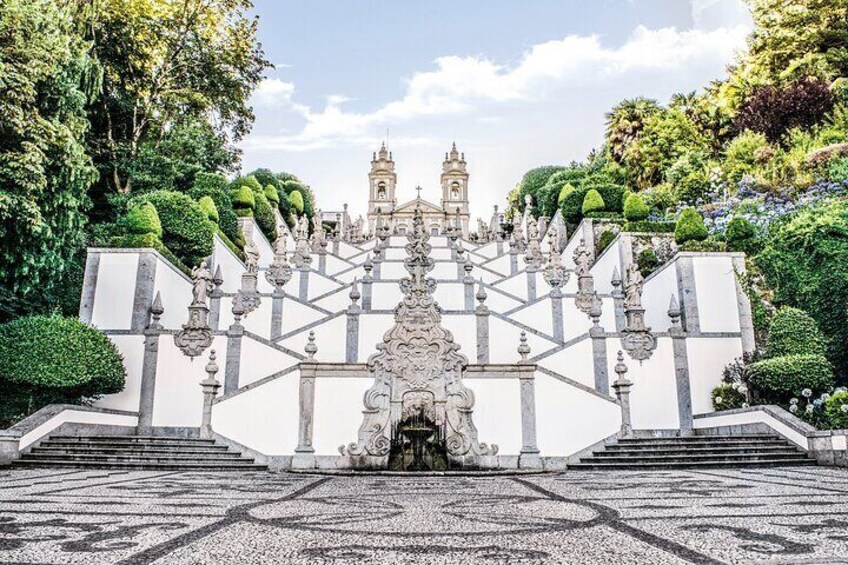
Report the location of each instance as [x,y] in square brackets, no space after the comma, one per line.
[624,123]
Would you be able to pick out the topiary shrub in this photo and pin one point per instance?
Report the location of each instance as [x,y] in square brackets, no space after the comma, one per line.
[635,209]
[296,199]
[612,194]
[604,241]
[593,202]
[565,191]
[836,408]
[742,235]
[794,332]
[244,201]
[264,215]
[690,227]
[215,187]
[50,359]
[186,230]
[272,195]
[646,226]
[726,396]
[781,378]
[208,206]
[647,262]
[143,219]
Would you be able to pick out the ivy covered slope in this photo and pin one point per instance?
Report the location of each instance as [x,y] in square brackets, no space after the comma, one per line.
[756,162]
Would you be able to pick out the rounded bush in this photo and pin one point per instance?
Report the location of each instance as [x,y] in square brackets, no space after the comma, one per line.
[635,209]
[706,246]
[264,215]
[593,202]
[272,195]
[143,219]
[208,206]
[646,226]
[186,230]
[794,332]
[647,262]
[782,378]
[612,194]
[572,205]
[244,199]
[296,199]
[727,397]
[604,241]
[215,187]
[51,359]
[836,408]
[742,235]
[566,189]
[690,227]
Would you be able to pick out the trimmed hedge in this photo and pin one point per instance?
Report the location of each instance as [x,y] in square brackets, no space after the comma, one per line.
[706,246]
[143,219]
[215,187]
[565,191]
[781,378]
[690,226]
[50,359]
[612,194]
[592,202]
[296,199]
[635,209]
[647,262]
[186,230]
[794,332]
[604,241]
[742,235]
[133,241]
[208,206]
[244,201]
[272,195]
[647,226]
[264,215]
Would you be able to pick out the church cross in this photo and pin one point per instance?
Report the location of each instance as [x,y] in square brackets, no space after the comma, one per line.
[418,188]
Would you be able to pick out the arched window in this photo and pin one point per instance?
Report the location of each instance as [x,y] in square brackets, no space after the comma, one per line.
[381,191]
[454,192]
[401,230]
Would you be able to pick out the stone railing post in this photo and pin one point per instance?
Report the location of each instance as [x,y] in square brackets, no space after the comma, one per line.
[147,392]
[482,315]
[468,281]
[599,346]
[10,446]
[513,257]
[215,299]
[618,300]
[367,283]
[529,456]
[304,453]
[622,393]
[210,386]
[556,313]
[377,261]
[235,333]
[353,312]
[681,369]
[303,292]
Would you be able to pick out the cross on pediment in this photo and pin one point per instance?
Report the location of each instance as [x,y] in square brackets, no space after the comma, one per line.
[418,189]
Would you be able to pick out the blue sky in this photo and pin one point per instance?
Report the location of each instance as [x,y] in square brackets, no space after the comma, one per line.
[516,84]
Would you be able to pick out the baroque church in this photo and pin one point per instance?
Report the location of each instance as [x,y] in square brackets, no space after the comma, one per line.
[384,210]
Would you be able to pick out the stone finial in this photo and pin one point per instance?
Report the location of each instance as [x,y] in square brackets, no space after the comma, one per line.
[468,267]
[460,251]
[481,295]
[156,311]
[620,367]
[368,265]
[596,310]
[238,308]
[212,366]
[218,279]
[523,347]
[616,279]
[674,311]
[311,349]
[622,393]
[354,292]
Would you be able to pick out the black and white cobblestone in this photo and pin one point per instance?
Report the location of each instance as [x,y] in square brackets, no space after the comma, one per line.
[785,515]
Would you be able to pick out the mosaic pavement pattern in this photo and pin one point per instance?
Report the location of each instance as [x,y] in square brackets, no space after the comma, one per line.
[793,515]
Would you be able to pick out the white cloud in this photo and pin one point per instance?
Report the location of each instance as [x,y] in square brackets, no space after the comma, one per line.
[711,14]
[469,84]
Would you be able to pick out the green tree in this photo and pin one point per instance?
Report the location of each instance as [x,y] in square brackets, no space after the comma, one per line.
[532,182]
[44,169]
[625,122]
[690,226]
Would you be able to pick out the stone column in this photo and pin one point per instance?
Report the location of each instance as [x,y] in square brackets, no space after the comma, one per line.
[322,256]
[277,301]
[513,257]
[10,446]
[235,333]
[143,296]
[482,315]
[89,286]
[378,261]
[147,392]
[468,281]
[303,293]
[367,284]
[529,456]
[353,312]
[681,369]
[215,299]
[556,313]
[622,393]
[599,346]
[688,295]
[531,284]
[210,386]
[304,453]
[618,300]
[746,319]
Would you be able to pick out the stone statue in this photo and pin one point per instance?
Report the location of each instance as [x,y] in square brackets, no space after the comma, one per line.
[581,260]
[251,254]
[633,287]
[202,277]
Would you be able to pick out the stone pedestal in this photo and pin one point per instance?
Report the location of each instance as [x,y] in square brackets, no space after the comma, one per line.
[9,446]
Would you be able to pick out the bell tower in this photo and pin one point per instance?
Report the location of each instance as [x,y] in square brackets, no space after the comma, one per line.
[382,181]
[454,182]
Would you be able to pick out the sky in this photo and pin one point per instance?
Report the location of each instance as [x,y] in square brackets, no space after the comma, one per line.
[515,84]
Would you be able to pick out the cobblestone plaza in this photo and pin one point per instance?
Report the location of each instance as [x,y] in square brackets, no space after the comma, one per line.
[786,515]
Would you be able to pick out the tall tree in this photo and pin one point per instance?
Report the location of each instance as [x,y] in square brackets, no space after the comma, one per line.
[165,60]
[625,122]
[44,169]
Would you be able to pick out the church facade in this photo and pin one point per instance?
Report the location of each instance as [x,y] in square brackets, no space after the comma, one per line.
[385,212]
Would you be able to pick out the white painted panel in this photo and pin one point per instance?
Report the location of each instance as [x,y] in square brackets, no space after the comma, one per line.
[319,284]
[337,301]
[569,420]
[114,294]
[707,358]
[338,412]
[500,265]
[231,266]
[445,271]
[450,296]
[385,295]
[656,297]
[504,341]
[538,316]
[653,397]
[515,285]
[264,418]
[440,254]
[372,327]
[575,362]
[392,270]
[330,337]
[497,413]
[132,350]
[259,361]
[719,419]
[464,330]
[603,268]
[576,322]
[259,320]
[715,284]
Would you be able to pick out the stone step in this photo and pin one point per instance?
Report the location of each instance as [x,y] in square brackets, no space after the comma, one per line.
[152,453]
[133,439]
[136,458]
[689,443]
[765,455]
[197,466]
[657,450]
[108,448]
[693,465]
